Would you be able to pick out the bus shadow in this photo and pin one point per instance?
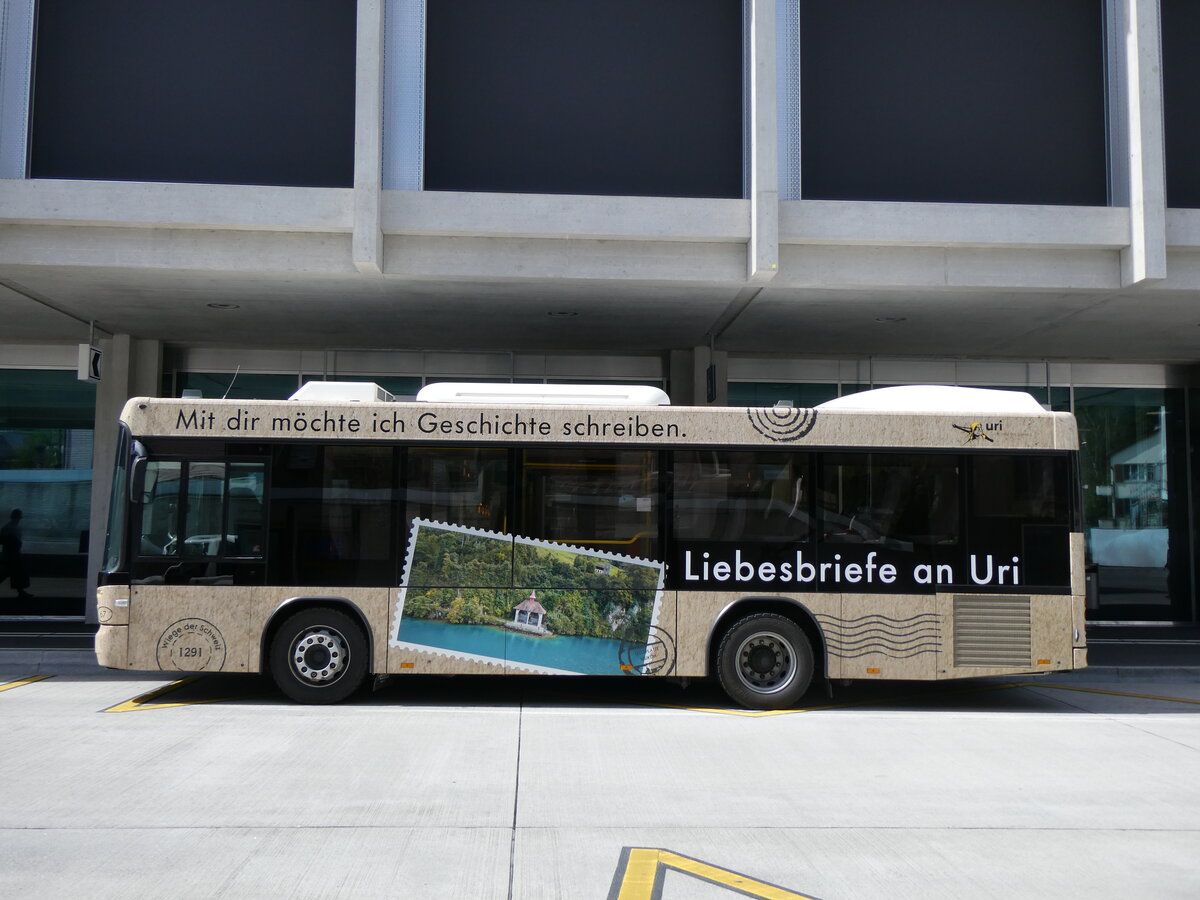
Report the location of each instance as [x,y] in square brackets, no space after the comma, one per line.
[466,692]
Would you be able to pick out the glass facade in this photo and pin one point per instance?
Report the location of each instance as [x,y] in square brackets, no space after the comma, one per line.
[46,436]
[1131,453]
[234,385]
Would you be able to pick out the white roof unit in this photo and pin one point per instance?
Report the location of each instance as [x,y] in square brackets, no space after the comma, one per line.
[341,392]
[560,394]
[939,398]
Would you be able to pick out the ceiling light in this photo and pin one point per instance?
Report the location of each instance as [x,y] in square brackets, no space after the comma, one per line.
[562,314]
[891,318]
[223,306]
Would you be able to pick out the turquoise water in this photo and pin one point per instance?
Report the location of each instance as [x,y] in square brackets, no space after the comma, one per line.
[584,655]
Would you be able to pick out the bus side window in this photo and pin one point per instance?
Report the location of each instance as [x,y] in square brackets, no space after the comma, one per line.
[160,508]
[600,498]
[897,500]
[331,515]
[244,524]
[205,506]
[458,486]
[736,495]
[1020,506]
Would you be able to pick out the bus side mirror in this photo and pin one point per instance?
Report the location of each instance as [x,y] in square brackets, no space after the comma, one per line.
[137,473]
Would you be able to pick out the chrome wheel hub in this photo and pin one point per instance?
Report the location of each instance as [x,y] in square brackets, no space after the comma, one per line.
[766,662]
[319,655]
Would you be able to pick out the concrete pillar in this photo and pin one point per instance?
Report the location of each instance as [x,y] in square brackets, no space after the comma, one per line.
[690,379]
[131,369]
[1136,135]
[368,139]
[763,251]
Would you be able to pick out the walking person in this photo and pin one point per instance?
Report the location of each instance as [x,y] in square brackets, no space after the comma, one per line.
[12,564]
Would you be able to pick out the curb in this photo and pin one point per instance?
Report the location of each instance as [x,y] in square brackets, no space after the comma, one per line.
[1144,674]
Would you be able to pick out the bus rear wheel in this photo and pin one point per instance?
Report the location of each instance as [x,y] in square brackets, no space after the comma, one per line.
[764,661]
[319,655]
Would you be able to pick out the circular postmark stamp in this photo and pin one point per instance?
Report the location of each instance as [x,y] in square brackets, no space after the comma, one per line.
[655,657]
[192,645]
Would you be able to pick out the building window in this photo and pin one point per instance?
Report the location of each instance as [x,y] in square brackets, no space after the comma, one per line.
[224,91]
[985,101]
[632,97]
[1181,72]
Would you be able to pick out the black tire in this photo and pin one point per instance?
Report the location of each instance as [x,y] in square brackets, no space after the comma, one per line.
[319,655]
[765,661]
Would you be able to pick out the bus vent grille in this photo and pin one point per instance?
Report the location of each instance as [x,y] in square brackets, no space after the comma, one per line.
[992,631]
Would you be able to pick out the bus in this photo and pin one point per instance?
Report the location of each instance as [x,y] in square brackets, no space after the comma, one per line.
[913,533]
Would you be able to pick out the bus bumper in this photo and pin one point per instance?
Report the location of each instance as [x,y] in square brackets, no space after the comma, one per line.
[112,646]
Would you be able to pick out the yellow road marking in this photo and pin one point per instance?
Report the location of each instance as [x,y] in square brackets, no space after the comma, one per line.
[753,713]
[641,870]
[144,701]
[8,686]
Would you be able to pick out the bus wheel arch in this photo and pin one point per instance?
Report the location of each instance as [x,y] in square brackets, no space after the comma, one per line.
[766,652]
[317,650]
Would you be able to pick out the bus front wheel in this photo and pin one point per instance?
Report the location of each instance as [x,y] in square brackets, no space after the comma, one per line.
[319,655]
[765,661]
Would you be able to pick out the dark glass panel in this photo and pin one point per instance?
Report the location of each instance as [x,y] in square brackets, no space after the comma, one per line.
[331,510]
[1181,74]
[636,97]
[598,498]
[220,91]
[986,101]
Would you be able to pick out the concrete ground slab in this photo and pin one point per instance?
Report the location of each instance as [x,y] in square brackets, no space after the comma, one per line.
[522,788]
[854,863]
[233,862]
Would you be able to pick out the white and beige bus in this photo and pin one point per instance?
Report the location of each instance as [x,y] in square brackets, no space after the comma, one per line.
[900,533]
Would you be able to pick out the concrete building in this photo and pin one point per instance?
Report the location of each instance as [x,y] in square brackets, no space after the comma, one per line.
[801,198]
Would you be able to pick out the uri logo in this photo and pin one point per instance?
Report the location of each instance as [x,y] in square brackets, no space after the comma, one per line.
[977,431]
[782,424]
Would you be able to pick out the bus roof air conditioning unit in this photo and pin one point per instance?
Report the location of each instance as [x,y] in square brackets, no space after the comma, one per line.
[560,394]
[342,391]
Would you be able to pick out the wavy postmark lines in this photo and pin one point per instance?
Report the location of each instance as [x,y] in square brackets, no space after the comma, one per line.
[782,424]
[867,635]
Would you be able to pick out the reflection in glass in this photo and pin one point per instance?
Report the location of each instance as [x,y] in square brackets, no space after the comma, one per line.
[1128,459]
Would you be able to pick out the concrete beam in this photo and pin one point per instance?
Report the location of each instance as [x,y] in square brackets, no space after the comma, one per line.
[705,265]
[1183,229]
[937,268]
[886,223]
[466,214]
[265,252]
[135,204]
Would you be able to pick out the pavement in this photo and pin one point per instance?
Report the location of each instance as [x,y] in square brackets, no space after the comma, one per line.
[126,785]
[129,785]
